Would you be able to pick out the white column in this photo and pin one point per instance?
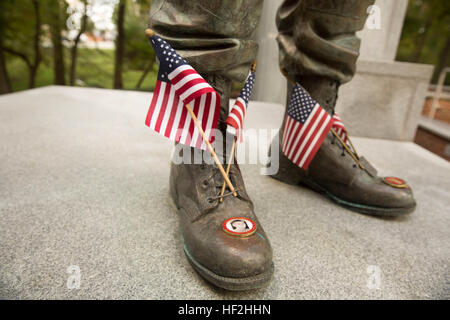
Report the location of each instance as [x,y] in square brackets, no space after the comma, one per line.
[270,85]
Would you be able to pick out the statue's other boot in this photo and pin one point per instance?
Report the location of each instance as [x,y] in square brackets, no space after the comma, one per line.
[223,240]
[334,173]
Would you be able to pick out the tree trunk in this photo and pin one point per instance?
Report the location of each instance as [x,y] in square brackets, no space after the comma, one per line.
[120,46]
[58,53]
[144,74]
[74,49]
[444,61]
[5,83]
[37,51]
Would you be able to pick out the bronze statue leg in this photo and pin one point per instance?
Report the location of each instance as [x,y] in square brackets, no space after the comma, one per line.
[214,36]
[317,37]
[318,49]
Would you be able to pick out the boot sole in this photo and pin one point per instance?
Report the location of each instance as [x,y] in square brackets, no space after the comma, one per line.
[228,283]
[360,208]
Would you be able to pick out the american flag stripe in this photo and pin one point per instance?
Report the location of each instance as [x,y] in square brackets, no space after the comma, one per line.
[238,116]
[188,83]
[151,110]
[306,131]
[300,131]
[235,120]
[176,132]
[291,133]
[158,103]
[190,132]
[213,116]
[287,127]
[339,127]
[176,111]
[323,123]
[200,110]
[168,115]
[240,108]
[167,99]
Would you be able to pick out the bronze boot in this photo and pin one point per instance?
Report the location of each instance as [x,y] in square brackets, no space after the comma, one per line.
[223,240]
[336,174]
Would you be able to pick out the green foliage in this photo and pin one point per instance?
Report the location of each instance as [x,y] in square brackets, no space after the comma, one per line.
[18,23]
[95,69]
[425,32]
[138,51]
[18,71]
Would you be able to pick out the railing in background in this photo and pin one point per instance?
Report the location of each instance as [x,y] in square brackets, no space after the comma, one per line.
[438,93]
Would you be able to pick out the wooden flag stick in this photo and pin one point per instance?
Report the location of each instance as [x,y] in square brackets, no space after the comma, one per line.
[347,148]
[210,148]
[230,160]
[351,144]
[149,33]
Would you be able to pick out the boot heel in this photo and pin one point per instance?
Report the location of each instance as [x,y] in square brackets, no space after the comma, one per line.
[288,172]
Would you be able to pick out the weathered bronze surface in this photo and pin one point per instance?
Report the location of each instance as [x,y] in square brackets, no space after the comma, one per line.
[318,48]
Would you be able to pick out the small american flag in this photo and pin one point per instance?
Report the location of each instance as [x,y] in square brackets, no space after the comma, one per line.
[339,127]
[237,114]
[177,85]
[306,126]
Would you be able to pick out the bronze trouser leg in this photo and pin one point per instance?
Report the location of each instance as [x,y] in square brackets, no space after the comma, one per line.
[317,37]
[319,49]
[214,36]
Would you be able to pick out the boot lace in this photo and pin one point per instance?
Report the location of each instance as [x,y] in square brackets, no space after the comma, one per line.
[218,179]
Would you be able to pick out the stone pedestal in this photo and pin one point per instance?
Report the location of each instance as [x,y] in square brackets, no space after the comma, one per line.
[270,85]
[385,97]
[85,183]
[382,33]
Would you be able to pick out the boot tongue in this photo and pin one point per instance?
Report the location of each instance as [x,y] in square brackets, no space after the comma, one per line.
[368,167]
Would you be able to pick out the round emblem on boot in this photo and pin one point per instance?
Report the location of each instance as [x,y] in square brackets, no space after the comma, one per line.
[395,182]
[239,226]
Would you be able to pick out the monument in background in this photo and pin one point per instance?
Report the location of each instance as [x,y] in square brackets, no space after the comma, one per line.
[384,99]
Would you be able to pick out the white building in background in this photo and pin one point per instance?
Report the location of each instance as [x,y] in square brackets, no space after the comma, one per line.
[100,12]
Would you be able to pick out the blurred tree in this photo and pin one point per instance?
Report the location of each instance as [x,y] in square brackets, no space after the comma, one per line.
[120,45]
[138,52]
[426,33]
[5,82]
[21,34]
[56,18]
[74,48]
